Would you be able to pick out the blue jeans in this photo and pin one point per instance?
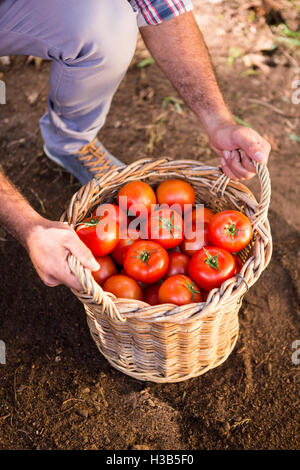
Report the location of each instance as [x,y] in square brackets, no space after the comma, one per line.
[90,43]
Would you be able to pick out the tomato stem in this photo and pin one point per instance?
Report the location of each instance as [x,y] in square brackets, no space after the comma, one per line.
[212,261]
[144,255]
[92,222]
[231,230]
[169,224]
[191,287]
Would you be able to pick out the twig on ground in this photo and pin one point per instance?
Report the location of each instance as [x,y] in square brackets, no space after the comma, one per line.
[273,108]
[76,399]
[15,387]
[39,199]
[4,417]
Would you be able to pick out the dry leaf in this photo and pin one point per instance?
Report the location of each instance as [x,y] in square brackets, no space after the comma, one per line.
[36,60]
[264,43]
[5,60]
[256,60]
[32,97]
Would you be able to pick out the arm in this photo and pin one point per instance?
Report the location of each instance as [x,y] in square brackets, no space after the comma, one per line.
[48,243]
[179,49]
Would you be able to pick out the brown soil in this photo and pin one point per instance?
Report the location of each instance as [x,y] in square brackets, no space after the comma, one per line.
[57,392]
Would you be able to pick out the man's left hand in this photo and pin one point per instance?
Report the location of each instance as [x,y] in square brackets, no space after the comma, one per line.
[228,138]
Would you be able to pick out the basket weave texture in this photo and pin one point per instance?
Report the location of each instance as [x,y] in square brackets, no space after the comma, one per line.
[167,343]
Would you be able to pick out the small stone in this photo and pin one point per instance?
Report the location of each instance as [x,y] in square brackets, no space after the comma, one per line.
[83,412]
[32,97]
[5,60]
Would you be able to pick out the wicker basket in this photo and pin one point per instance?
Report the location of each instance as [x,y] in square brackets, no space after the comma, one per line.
[167,343]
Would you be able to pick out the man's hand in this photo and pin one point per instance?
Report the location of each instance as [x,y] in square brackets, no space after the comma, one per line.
[227,138]
[49,244]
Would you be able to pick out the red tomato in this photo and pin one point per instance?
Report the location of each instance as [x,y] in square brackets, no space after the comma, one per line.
[194,242]
[138,194]
[201,215]
[113,211]
[178,264]
[123,287]
[139,228]
[107,269]
[175,191]
[179,290]
[120,251]
[230,230]
[146,261]
[100,236]
[150,294]
[211,266]
[166,228]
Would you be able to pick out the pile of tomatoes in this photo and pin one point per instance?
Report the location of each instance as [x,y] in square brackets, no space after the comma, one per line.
[157,246]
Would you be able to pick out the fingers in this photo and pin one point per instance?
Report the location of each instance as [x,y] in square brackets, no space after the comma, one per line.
[236,166]
[78,249]
[233,166]
[227,170]
[252,147]
[50,281]
[62,275]
[49,249]
[70,281]
[255,146]
[67,277]
[247,162]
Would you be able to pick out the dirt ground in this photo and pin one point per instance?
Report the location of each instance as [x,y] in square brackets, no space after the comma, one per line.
[56,390]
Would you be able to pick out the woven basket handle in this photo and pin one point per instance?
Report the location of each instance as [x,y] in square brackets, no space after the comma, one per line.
[260,215]
[259,219]
[92,292]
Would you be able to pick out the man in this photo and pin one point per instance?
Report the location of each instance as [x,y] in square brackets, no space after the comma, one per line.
[91,44]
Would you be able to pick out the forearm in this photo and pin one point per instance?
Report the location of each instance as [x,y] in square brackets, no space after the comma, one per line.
[16,214]
[179,49]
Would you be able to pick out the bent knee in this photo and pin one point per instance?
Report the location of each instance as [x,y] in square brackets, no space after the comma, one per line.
[105,30]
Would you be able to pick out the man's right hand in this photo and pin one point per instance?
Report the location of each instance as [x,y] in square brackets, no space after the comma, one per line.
[49,244]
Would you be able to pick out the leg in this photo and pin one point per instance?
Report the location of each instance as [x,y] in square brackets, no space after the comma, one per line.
[91,44]
[82,86]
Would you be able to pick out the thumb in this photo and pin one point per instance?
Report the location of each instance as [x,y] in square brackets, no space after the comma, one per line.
[82,252]
[255,146]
